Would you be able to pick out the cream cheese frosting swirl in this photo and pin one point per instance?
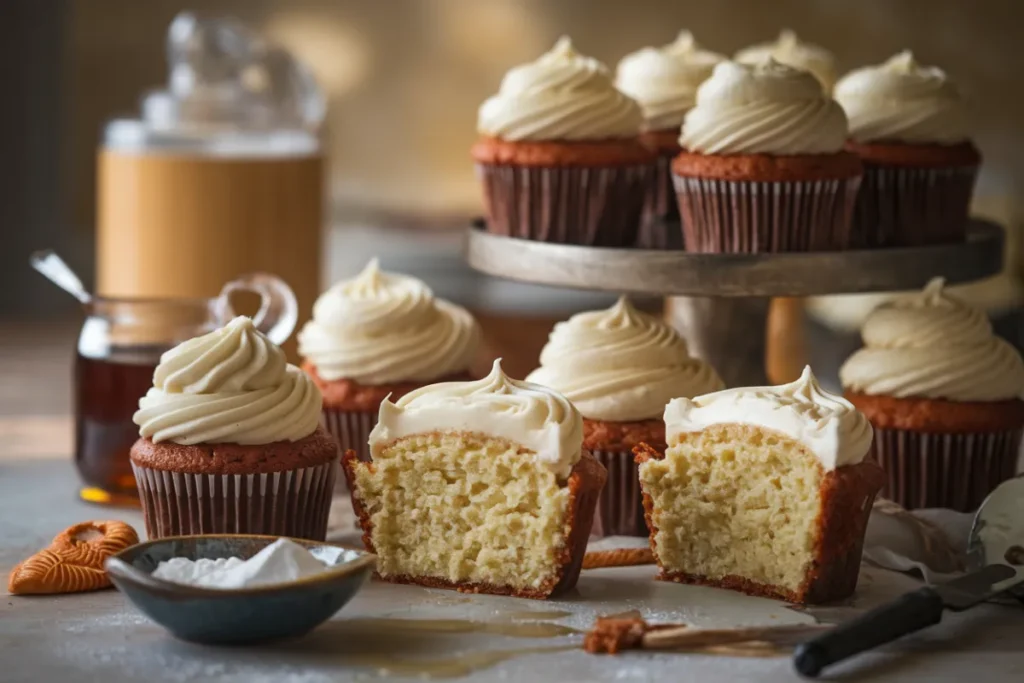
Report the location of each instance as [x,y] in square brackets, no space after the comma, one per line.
[561,96]
[379,328]
[232,385]
[932,345]
[531,415]
[621,365]
[790,50]
[827,425]
[766,108]
[664,80]
[902,101]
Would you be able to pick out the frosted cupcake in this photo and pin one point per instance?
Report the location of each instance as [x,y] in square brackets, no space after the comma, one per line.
[559,157]
[763,167]
[908,124]
[944,396]
[664,81]
[230,441]
[790,50]
[381,334]
[620,367]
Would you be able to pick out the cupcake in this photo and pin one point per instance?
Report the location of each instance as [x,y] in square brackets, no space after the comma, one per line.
[909,126]
[944,396]
[664,81]
[763,167]
[376,335]
[620,367]
[559,156]
[230,441]
[790,50]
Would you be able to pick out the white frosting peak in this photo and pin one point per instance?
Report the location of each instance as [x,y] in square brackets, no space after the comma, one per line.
[763,108]
[789,49]
[664,80]
[531,415]
[232,385]
[827,425]
[621,364]
[563,95]
[378,328]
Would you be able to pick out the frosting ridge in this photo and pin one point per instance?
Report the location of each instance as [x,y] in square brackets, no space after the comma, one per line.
[531,415]
[664,80]
[766,108]
[621,364]
[903,101]
[563,95]
[790,50]
[232,385]
[930,344]
[380,327]
[826,424]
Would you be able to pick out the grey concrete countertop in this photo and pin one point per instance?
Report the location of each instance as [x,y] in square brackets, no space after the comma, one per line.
[100,638]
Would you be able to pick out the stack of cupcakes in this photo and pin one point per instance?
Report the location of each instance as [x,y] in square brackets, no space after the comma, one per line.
[944,395]
[376,335]
[559,155]
[620,367]
[664,81]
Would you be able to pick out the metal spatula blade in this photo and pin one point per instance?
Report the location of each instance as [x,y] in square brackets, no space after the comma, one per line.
[996,563]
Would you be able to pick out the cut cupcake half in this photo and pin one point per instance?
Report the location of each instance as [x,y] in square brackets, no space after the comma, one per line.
[478,486]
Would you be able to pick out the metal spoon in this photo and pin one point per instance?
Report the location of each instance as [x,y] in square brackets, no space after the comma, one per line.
[996,565]
[59,273]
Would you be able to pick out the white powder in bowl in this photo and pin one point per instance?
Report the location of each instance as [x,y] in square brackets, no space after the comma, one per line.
[280,562]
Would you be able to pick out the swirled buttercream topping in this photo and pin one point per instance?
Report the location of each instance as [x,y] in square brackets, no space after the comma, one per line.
[621,365]
[932,345]
[561,96]
[765,108]
[232,385]
[826,424]
[664,80]
[536,417]
[902,101]
[379,328]
[790,50]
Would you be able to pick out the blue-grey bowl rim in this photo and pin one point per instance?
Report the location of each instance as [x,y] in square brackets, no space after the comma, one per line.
[119,567]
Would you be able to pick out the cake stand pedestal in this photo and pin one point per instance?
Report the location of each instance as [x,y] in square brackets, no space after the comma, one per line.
[725,297]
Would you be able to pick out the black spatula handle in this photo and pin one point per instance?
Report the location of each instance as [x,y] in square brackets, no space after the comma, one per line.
[911,612]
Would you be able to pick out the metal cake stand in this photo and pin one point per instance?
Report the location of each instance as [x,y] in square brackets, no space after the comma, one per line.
[725,296]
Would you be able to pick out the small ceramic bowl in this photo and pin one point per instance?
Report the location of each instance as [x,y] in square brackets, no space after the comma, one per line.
[246,615]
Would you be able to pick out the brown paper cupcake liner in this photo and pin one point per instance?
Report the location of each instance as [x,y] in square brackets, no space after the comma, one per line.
[952,471]
[660,203]
[592,206]
[351,429]
[620,507]
[731,216]
[292,503]
[912,206]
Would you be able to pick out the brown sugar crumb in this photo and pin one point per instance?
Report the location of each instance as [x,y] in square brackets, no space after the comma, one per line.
[611,635]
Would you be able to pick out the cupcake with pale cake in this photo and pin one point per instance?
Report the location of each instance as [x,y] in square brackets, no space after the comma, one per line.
[764,490]
[664,81]
[944,395]
[558,155]
[231,443]
[381,334]
[620,367]
[482,487]
[908,124]
[763,167]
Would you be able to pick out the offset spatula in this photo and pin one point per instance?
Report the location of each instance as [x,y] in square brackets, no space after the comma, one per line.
[996,562]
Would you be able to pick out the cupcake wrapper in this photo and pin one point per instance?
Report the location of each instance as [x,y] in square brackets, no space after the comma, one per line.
[660,203]
[730,216]
[620,507]
[952,471]
[292,503]
[593,206]
[351,429]
[912,206]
